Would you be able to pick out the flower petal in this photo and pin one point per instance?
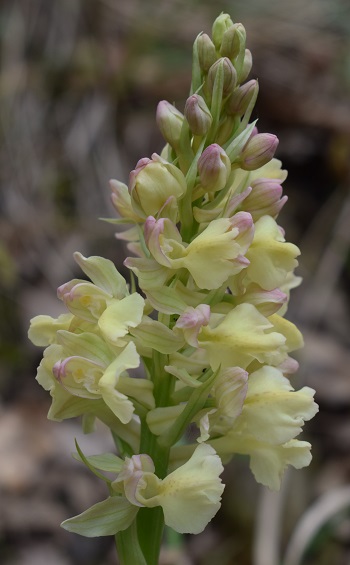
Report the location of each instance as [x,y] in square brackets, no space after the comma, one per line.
[121,315]
[118,402]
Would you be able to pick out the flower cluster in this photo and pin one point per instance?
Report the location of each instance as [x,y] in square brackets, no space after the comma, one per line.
[207,326]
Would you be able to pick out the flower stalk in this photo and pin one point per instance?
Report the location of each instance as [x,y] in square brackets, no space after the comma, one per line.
[206,331]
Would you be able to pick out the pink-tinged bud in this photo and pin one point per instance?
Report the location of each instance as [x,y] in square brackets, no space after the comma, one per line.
[141,164]
[230,75]
[265,198]
[258,151]
[214,168]
[169,121]
[246,67]
[198,115]
[220,26]
[264,192]
[233,41]
[206,52]
[241,98]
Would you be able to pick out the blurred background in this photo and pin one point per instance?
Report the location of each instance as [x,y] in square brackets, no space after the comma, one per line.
[79,85]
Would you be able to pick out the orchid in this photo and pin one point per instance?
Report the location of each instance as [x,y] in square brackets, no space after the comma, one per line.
[204,341]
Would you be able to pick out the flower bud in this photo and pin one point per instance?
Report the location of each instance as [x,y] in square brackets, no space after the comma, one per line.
[214,168]
[233,41]
[206,52]
[121,201]
[230,75]
[198,115]
[265,198]
[152,183]
[220,26]
[241,97]
[246,67]
[258,151]
[169,121]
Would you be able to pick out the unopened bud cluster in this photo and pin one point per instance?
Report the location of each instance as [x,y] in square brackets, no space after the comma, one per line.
[207,325]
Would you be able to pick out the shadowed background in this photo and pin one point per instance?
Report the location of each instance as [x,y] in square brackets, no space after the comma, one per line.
[79,85]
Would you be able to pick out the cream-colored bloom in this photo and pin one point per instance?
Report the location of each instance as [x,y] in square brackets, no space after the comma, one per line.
[222,244]
[271,257]
[272,416]
[82,368]
[93,379]
[64,405]
[190,496]
[240,337]
[273,412]
[104,301]
[268,462]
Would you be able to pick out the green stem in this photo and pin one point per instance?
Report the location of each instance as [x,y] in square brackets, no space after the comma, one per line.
[150,521]
[128,547]
[186,213]
[193,406]
[150,527]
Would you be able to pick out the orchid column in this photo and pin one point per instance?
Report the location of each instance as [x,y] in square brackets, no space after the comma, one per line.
[207,324]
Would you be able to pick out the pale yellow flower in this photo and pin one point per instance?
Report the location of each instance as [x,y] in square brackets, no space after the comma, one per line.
[271,257]
[240,337]
[190,496]
[272,416]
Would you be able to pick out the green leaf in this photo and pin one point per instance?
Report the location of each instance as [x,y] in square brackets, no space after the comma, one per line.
[234,146]
[216,103]
[89,465]
[196,70]
[157,336]
[106,462]
[105,518]
[194,405]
